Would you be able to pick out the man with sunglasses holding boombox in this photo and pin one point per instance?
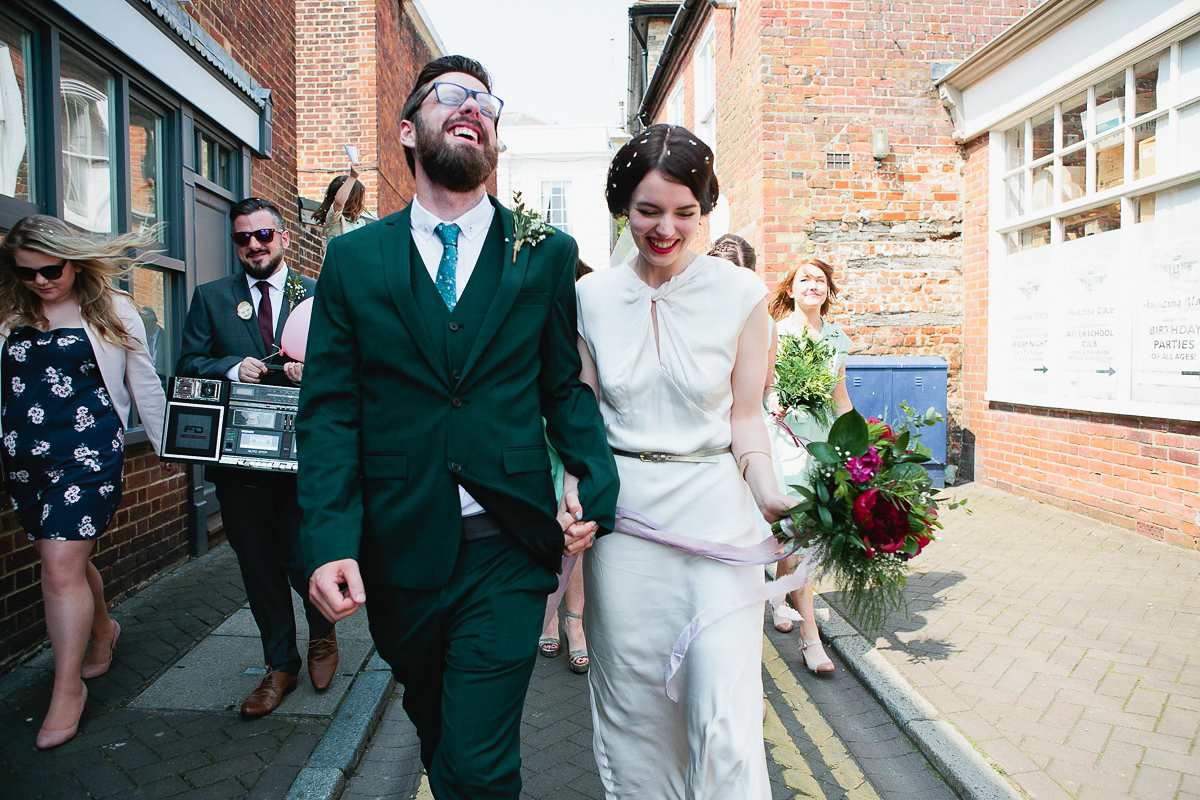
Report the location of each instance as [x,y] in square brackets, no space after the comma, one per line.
[232,327]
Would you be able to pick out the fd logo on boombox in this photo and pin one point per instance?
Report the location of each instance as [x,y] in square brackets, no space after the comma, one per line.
[233,424]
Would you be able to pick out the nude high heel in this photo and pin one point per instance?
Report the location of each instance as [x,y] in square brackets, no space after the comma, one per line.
[47,739]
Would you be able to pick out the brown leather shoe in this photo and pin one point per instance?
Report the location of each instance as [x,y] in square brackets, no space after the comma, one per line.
[322,660]
[269,694]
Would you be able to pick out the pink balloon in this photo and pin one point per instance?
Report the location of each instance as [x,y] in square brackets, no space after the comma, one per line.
[294,341]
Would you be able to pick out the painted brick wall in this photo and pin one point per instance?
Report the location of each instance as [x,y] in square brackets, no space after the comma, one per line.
[1139,473]
[798,79]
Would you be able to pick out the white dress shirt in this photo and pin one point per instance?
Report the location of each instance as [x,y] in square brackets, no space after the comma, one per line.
[473,228]
[276,282]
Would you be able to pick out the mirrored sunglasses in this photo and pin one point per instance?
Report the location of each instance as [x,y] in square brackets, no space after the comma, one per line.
[263,235]
[451,94]
[51,273]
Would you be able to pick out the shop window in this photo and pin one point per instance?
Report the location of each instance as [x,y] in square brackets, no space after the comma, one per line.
[1028,239]
[145,165]
[1147,76]
[16,123]
[88,149]
[1074,116]
[1093,221]
[153,291]
[1043,135]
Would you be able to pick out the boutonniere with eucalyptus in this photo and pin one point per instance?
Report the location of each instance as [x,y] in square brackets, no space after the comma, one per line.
[528,226]
[293,290]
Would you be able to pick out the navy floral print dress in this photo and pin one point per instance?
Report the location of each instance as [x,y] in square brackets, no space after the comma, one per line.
[63,446]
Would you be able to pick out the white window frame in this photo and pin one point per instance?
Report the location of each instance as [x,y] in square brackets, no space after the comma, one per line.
[557,214]
[675,106]
[705,89]
[1032,246]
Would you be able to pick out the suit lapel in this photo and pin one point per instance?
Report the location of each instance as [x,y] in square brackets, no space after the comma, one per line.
[397,276]
[241,294]
[512,277]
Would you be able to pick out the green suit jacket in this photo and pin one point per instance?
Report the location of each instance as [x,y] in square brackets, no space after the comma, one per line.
[387,430]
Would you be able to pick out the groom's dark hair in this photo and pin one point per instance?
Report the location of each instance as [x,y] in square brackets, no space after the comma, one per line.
[431,72]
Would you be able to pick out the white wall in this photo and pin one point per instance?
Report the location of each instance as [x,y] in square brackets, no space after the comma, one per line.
[576,153]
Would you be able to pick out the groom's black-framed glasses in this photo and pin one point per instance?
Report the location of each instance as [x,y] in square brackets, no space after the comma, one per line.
[451,94]
[263,235]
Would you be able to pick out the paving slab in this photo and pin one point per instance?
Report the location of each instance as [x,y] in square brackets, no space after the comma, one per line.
[826,737]
[227,665]
[1064,649]
[125,751]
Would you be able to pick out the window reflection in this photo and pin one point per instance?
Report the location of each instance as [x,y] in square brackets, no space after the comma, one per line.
[1110,102]
[145,164]
[1110,161]
[1014,141]
[1146,77]
[150,290]
[1074,114]
[15,120]
[1043,135]
[1093,221]
[87,107]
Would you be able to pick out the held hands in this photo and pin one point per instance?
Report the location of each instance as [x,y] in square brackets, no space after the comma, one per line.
[336,589]
[251,370]
[578,535]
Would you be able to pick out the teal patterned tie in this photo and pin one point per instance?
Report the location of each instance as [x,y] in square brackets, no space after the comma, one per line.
[448,266]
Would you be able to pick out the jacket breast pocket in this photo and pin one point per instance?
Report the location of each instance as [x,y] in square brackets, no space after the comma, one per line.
[532,298]
[388,466]
[526,459]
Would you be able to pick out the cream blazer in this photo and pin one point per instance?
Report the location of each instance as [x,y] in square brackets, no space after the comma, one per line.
[128,375]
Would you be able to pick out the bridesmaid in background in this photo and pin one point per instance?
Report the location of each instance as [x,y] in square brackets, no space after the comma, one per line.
[801,301]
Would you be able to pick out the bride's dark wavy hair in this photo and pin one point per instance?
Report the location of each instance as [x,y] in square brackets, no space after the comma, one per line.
[674,151]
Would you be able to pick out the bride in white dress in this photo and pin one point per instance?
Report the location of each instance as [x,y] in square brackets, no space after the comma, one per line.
[675,346]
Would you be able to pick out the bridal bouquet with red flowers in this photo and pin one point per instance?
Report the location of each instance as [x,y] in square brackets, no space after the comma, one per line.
[871,508]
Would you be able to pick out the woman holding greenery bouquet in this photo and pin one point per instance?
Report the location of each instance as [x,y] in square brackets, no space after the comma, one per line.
[809,393]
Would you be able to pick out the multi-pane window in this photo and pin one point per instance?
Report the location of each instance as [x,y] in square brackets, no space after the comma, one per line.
[145,165]
[675,106]
[215,161]
[554,201]
[16,128]
[88,149]
[1094,161]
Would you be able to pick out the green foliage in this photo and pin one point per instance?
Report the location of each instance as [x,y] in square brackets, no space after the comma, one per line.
[804,376]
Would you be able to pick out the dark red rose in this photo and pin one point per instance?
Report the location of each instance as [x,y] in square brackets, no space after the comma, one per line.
[884,522]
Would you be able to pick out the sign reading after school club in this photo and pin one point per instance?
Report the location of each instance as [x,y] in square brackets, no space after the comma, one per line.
[1108,322]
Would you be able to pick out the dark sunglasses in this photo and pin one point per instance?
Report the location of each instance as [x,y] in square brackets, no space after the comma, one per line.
[51,273]
[263,235]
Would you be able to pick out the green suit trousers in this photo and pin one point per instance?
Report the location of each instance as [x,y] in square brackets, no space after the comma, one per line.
[464,654]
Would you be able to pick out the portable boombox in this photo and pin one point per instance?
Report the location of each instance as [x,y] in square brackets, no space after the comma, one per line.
[246,425]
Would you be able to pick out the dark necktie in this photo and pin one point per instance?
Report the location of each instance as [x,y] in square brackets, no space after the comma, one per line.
[266,323]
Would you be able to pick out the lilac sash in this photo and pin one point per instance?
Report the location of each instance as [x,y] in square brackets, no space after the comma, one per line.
[765,552]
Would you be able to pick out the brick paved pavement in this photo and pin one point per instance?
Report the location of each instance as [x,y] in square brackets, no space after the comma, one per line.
[826,738]
[1065,649]
[122,752]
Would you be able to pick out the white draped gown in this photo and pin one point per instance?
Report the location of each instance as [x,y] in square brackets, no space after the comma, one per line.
[674,398]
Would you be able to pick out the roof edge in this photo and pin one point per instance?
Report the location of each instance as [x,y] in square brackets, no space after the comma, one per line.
[1022,35]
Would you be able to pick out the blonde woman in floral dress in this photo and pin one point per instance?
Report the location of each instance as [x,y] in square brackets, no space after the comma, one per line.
[73,361]
[799,306]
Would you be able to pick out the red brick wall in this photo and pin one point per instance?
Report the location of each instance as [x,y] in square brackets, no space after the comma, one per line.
[402,53]
[800,78]
[1139,473]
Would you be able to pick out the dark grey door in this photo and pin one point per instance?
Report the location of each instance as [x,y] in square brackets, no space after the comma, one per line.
[210,257]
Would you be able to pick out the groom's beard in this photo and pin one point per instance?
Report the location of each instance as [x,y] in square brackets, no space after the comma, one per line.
[459,169]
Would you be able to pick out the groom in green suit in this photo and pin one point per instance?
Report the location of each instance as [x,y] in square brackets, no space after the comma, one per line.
[439,343]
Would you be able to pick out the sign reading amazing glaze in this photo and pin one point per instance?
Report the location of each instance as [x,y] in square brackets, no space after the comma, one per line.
[1109,322]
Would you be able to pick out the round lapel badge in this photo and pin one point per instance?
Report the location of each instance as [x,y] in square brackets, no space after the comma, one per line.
[245,310]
